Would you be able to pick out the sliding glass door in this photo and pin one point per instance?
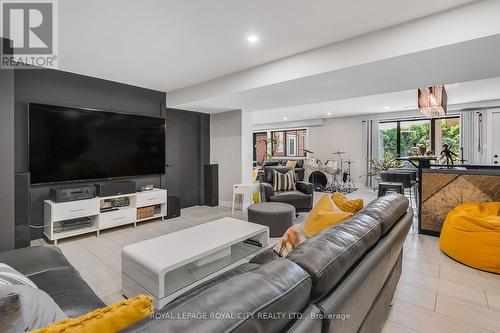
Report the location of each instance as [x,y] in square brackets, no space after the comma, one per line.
[406,137]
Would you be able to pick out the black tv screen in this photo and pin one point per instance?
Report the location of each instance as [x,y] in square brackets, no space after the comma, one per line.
[72,144]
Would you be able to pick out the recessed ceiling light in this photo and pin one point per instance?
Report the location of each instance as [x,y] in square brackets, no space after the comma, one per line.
[285,118]
[329,114]
[387,107]
[252,39]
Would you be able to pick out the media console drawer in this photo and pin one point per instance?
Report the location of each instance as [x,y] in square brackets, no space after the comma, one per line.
[74,209]
[116,217]
[150,198]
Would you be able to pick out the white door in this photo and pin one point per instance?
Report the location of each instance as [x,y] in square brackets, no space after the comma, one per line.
[495,142]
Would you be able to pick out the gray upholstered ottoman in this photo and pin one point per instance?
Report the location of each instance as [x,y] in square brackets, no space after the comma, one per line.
[276,215]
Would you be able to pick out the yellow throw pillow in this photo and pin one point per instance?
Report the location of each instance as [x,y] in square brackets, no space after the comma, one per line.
[323,215]
[346,205]
[291,164]
[110,319]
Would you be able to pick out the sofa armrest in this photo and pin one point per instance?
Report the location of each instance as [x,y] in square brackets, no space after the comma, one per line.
[304,187]
[266,191]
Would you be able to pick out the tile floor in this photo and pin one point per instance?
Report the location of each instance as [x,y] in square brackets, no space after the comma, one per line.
[435,293]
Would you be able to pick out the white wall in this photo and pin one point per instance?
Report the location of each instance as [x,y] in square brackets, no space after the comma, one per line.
[343,134]
[226,150]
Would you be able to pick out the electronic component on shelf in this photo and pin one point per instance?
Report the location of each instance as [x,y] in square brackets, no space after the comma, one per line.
[108,189]
[147,187]
[109,209]
[71,193]
[66,225]
[109,204]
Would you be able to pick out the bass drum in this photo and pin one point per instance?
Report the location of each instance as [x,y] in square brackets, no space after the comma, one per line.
[319,180]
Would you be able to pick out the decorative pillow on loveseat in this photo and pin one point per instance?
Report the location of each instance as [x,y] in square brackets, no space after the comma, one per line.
[323,215]
[346,205]
[9,276]
[24,308]
[113,318]
[290,240]
[283,181]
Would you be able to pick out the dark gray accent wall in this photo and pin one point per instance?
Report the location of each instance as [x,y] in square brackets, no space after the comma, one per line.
[69,89]
[6,159]
[188,150]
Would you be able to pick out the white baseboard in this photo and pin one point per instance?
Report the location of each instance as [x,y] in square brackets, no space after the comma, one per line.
[225,203]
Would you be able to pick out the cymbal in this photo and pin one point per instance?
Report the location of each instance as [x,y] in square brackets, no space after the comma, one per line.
[308,151]
[348,161]
[338,152]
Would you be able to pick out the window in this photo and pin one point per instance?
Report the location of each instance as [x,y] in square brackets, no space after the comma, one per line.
[408,137]
[447,132]
[289,143]
[413,135]
[286,143]
[388,132]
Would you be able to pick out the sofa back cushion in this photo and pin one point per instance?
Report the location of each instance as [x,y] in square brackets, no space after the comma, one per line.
[329,255]
[271,162]
[387,210]
[51,272]
[240,302]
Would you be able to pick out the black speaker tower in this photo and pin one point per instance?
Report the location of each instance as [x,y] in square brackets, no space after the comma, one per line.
[173,207]
[22,208]
[212,185]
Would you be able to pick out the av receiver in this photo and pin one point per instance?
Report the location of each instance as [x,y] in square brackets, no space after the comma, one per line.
[72,193]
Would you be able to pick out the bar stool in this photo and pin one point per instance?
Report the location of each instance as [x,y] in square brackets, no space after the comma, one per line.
[405,178]
[385,187]
[413,180]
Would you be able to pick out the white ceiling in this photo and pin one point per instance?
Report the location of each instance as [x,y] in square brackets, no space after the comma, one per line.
[167,44]
[470,60]
[458,93]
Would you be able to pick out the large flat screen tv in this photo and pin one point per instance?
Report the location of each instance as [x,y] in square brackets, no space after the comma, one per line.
[74,144]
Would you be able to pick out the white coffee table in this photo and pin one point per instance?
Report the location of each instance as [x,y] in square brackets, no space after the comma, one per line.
[167,266]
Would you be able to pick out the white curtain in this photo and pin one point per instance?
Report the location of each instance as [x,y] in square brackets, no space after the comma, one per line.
[367,150]
[473,137]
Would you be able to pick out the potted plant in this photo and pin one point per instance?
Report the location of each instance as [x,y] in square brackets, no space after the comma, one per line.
[377,166]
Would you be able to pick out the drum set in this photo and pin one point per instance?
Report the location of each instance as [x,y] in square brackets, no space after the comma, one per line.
[330,176]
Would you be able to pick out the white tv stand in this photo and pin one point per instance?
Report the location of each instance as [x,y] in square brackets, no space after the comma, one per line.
[55,212]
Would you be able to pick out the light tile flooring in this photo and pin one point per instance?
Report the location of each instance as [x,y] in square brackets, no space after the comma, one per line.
[434,294]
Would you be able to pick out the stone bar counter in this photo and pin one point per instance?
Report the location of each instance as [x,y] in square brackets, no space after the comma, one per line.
[444,187]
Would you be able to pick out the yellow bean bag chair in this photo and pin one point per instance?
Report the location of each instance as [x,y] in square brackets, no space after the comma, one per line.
[351,206]
[471,235]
